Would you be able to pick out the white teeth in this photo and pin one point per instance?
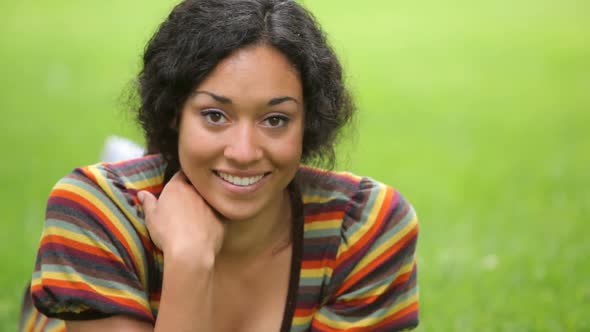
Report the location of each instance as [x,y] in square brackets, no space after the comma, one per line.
[239,181]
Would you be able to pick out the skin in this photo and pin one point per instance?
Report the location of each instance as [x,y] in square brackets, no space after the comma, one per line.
[226,246]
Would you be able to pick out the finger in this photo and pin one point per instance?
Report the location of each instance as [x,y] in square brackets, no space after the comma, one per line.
[148,202]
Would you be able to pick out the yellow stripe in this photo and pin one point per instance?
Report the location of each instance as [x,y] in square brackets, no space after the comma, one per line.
[30,322]
[323,224]
[374,253]
[367,225]
[316,199]
[105,185]
[109,214]
[155,304]
[58,231]
[59,326]
[316,273]
[35,281]
[302,320]
[102,290]
[139,227]
[381,289]
[144,183]
[368,321]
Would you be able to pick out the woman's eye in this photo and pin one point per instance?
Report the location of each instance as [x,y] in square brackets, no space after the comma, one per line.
[214,117]
[276,121]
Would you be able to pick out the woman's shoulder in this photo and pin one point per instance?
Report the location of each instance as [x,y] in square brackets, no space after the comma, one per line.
[344,190]
[352,207]
[144,173]
[114,181]
[359,236]
[102,198]
[94,241]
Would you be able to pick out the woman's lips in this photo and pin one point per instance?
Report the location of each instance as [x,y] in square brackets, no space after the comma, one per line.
[241,180]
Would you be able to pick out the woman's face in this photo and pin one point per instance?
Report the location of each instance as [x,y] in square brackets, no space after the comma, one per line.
[241,132]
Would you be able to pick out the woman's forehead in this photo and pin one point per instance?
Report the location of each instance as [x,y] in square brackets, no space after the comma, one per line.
[257,72]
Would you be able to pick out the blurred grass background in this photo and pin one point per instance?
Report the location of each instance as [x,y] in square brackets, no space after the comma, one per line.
[479,112]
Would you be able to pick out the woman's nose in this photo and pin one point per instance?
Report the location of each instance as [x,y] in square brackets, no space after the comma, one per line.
[243,146]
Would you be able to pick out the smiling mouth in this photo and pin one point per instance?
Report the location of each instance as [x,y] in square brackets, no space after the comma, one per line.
[240,181]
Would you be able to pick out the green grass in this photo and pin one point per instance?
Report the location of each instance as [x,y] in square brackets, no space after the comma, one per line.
[478,112]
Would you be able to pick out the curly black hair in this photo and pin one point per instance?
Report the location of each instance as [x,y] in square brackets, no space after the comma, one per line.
[198,34]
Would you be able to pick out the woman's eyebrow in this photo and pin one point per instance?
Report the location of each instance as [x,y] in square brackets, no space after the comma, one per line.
[226,100]
[278,100]
[221,99]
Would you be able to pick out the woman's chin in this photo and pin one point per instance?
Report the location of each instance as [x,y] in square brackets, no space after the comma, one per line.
[233,215]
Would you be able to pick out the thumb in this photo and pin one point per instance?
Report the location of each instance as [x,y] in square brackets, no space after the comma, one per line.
[148,202]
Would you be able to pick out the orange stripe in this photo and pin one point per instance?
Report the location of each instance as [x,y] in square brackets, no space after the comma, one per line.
[30,322]
[86,171]
[155,189]
[76,285]
[82,201]
[304,312]
[78,246]
[410,308]
[377,261]
[324,216]
[315,324]
[326,328]
[44,323]
[369,236]
[369,299]
[361,242]
[403,277]
[316,264]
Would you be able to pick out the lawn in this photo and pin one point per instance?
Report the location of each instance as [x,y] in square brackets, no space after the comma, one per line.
[478,112]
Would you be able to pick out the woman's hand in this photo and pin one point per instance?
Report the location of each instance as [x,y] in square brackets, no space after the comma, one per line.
[190,234]
[181,223]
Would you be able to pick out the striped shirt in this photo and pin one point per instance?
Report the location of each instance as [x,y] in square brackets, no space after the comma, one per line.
[353,265]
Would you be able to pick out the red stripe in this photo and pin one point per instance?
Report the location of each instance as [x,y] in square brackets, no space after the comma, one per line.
[378,261]
[76,285]
[43,324]
[303,312]
[48,239]
[324,216]
[31,321]
[157,188]
[377,225]
[319,326]
[369,299]
[103,218]
[88,174]
[316,264]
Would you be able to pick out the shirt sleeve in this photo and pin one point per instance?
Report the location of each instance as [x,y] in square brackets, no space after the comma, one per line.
[91,260]
[373,285]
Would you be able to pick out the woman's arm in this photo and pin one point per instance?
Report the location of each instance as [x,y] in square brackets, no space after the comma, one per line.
[189,234]
[186,301]
[111,324]
[185,304]
[374,281]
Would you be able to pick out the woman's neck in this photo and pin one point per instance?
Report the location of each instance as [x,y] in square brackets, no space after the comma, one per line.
[264,235]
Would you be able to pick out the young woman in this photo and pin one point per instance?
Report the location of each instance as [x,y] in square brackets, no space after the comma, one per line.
[220,227]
